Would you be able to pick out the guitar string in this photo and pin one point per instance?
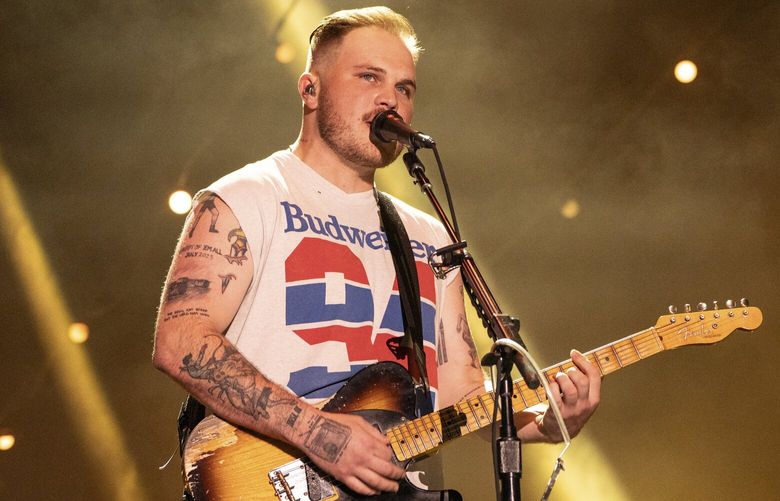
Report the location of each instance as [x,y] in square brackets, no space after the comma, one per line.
[639,343]
[627,351]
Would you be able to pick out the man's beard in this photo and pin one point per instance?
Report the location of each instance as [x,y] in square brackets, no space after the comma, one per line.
[338,135]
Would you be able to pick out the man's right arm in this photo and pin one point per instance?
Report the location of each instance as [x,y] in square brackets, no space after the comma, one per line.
[208,279]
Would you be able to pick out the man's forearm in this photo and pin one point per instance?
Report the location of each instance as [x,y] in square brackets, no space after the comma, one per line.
[209,367]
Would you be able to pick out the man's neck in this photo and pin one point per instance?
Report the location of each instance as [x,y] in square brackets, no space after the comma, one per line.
[346,176]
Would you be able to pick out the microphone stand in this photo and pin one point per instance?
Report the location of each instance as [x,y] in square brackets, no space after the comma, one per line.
[508,458]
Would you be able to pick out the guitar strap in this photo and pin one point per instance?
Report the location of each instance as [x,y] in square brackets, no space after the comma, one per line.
[411,344]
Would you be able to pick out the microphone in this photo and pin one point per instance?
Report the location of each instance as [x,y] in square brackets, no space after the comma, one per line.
[388,126]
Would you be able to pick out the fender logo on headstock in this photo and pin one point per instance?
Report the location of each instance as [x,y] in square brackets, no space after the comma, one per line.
[702,331]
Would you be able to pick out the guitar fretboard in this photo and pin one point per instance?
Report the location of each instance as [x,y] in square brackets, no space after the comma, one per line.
[419,436]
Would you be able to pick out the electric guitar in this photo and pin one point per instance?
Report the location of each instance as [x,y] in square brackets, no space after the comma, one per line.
[222,462]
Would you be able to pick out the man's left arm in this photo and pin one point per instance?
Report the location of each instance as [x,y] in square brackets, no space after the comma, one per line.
[577,392]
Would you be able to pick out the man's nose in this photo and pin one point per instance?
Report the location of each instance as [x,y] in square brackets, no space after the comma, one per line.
[387,97]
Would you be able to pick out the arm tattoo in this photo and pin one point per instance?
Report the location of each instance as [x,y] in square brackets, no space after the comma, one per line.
[188,312]
[238,247]
[226,280]
[293,417]
[326,438]
[232,380]
[185,288]
[463,328]
[441,346]
[207,205]
[204,251]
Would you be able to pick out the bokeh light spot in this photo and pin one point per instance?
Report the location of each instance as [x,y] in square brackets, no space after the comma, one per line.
[285,53]
[180,202]
[7,440]
[570,209]
[78,332]
[685,71]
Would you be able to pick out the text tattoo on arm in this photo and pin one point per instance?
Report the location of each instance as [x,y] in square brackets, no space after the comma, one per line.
[232,380]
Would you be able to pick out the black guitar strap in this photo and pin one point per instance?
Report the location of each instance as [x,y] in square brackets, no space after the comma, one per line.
[411,344]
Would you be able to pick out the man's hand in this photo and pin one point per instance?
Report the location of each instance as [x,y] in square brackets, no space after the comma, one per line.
[351,450]
[577,393]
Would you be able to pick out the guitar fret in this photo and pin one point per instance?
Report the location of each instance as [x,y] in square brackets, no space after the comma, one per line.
[396,445]
[633,344]
[525,402]
[483,410]
[459,406]
[598,363]
[402,443]
[488,408]
[426,427]
[410,439]
[657,339]
[417,423]
[617,358]
[473,413]
[436,427]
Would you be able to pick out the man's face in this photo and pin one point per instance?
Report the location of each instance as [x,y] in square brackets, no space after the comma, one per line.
[369,71]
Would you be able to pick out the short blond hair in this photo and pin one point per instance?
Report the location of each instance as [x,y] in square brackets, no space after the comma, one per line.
[334,27]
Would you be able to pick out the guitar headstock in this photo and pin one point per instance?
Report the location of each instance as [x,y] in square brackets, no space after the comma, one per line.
[703,326]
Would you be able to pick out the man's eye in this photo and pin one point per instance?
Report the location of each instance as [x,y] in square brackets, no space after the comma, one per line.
[403,90]
[369,77]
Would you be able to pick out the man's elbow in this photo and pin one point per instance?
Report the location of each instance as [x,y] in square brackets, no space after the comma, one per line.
[163,358]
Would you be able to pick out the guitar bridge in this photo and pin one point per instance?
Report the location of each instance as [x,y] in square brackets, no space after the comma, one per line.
[298,481]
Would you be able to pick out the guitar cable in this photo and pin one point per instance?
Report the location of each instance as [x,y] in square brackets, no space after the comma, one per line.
[550,402]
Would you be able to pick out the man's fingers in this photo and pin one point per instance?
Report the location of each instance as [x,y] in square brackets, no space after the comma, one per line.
[359,487]
[371,478]
[568,390]
[593,373]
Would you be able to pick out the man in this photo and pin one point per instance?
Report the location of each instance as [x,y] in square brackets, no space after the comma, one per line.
[286,288]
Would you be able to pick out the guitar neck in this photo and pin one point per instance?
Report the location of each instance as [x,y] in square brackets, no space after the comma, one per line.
[419,436]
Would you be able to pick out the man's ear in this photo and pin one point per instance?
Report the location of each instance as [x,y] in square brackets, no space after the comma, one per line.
[308,90]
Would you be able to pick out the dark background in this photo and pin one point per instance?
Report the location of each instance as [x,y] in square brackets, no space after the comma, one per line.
[106,107]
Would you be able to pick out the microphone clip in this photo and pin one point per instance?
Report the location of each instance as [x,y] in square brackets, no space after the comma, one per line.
[446,259]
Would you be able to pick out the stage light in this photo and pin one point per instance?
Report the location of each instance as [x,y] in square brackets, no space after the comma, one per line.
[7,440]
[180,202]
[79,385]
[78,332]
[570,209]
[685,71]
[285,53]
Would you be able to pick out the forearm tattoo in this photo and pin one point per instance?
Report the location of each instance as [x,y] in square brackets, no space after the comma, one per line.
[232,380]
[441,346]
[463,329]
[326,438]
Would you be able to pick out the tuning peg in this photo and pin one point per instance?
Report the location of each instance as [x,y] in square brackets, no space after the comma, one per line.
[672,309]
[729,303]
[701,306]
[714,304]
[744,302]
[687,308]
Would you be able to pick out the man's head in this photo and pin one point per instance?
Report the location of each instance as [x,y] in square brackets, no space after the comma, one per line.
[332,29]
[361,62]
